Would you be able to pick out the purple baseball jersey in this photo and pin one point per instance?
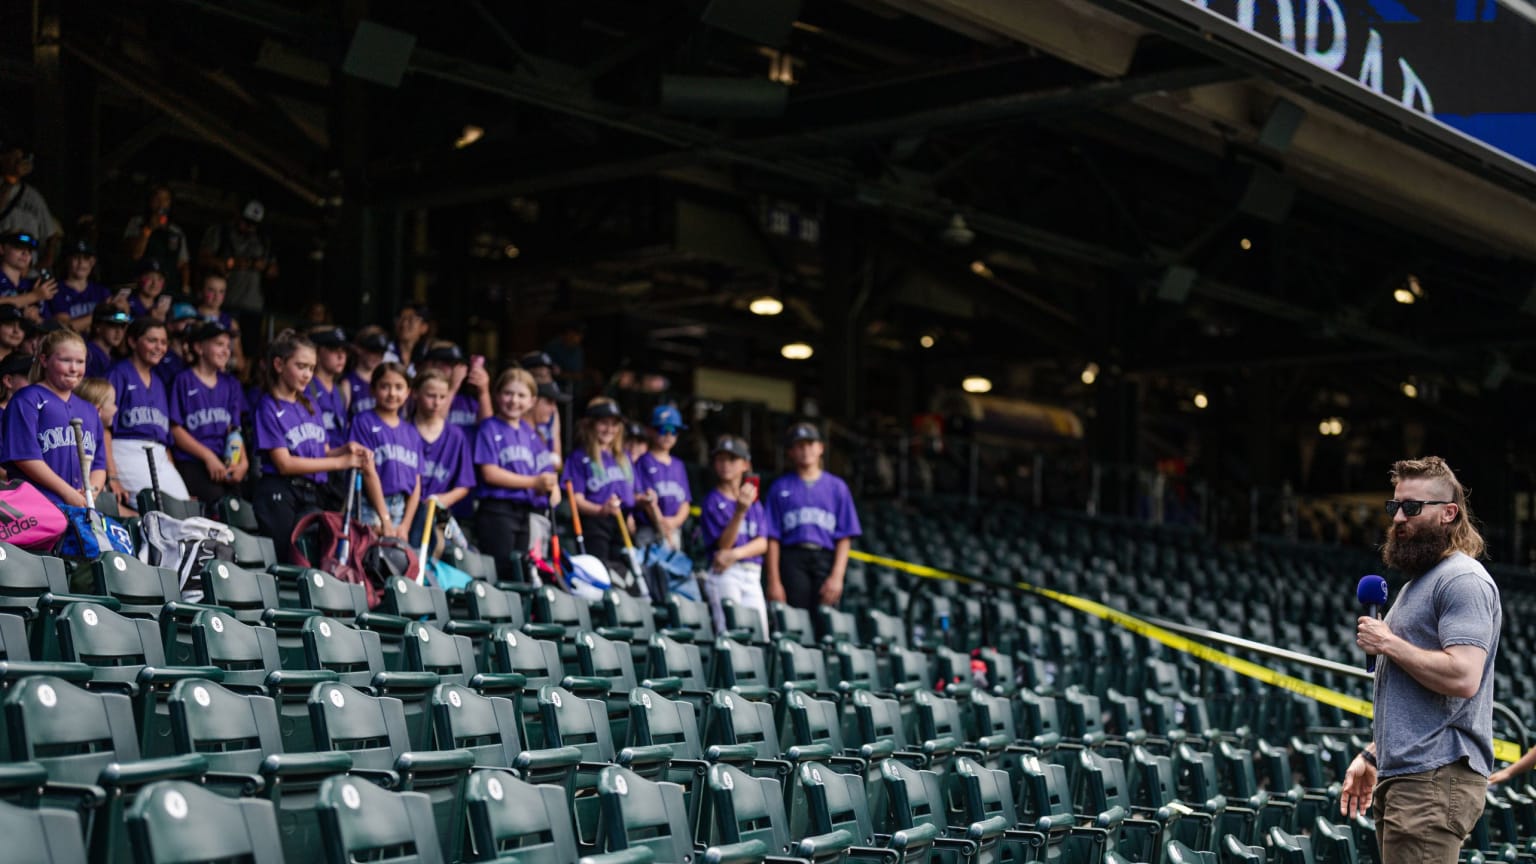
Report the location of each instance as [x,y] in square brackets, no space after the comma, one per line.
[598,480]
[78,304]
[514,448]
[362,394]
[396,451]
[332,415]
[820,513]
[207,413]
[97,361]
[136,307]
[716,514]
[36,426]
[464,412]
[290,425]
[445,463]
[170,366]
[670,480]
[143,408]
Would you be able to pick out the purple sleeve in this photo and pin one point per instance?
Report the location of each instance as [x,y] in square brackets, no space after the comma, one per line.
[177,400]
[21,431]
[713,519]
[91,422]
[847,516]
[361,435]
[771,524]
[682,480]
[575,473]
[464,473]
[238,403]
[485,450]
[269,429]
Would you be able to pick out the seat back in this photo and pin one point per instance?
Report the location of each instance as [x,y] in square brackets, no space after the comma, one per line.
[245,653]
[632,613]
[510,820]
[236,512]
[939,717]
[1046,792]
[141,589]
[361,822]
[170,505]
[247,593]
[992,715]
[791,623]
[493,605]
[747,808]
[571,721]
[234,731]
[912,668]
[669,658]
[736,720]
[914,799]
[836,626]
[116,647]
[538,661]
[175,822]
[878,720]
[44,836]
[741,666]
[72,732]
[402,596]
[332,597]
[253,551]
[693,616]
[24,577]
[370,729]
[553,606]
[803,667]
[1289,848]
[487,727]
[826,801]
[814,721]
[429,649]
[655,719]
[857,668]
[639,814]
[882,629]
[354,655]
[983,793]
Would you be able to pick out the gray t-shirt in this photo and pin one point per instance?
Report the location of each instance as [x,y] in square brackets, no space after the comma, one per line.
[1455,603]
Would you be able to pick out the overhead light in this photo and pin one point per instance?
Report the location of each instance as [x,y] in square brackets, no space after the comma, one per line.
[1410,292]
[957,233]
[980,268]
[1245,244]
[511,250]
[926,341]
[1090,373]
[766,305]
[1410,389]
[1331,426]
[976,384]
[797,351]
[1403,296]
[470,135]
[1202,401]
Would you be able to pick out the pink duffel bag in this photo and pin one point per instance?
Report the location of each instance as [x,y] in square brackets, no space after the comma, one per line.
[27,518]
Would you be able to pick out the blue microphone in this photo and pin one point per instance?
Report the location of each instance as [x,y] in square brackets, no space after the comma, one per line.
[1372,593]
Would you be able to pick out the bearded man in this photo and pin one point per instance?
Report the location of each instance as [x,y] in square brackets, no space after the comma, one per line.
[1427,765]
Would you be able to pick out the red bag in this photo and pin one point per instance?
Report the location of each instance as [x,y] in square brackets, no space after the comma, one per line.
[27,518]
[322,531]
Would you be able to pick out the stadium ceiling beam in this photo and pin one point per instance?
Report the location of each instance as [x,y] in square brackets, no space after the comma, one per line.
[271,161]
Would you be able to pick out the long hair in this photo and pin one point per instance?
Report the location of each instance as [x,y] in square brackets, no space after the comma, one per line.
[1465,537]
[49,344]
[284,345]
[588,432]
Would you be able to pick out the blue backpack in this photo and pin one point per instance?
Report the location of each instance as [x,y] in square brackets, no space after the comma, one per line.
[81,540]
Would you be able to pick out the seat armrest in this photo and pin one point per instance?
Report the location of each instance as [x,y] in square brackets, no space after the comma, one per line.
[821,845]
[632,855]
[287,617]
[583,685]
[155,676]
[677,634]
[669,686]
[616,634]
[547,760]
[52,602]
[745,852]
[381,777]
[434,761]
[305,764]
[498,683]
[877,750]
[385,681]
[472,629]
[15,670]
[86,796]
[382,621]
[297,679]
[544,631]
[243,785]
[124,774]
[645,754]
[183,609]
[730,753]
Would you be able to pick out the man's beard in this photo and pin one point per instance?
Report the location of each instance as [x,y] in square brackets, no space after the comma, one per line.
[1415,549]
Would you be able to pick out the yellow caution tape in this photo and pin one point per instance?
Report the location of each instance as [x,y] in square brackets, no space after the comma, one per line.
[1504,751]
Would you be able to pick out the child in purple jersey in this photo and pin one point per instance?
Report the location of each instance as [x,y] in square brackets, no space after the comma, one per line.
[355,387]
[149,298]
[324,391]
[210,307]
[206,405]
[78,293]
[447,471]
[662,483]
[99,392]
[296,460]
[811,526]
[603,480]
[109,326]
[143,428]
[470,383]
[514,493]
[37,439]
[732,520]
[393,481]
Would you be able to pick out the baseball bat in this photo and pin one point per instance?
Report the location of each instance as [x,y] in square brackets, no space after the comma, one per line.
[98,525]
[581,542]
[154,477]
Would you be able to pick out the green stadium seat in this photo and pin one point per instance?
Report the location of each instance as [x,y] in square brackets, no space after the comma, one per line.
[749,821]
[639,814]
[41,836]
[361,822]
[742,668]
[174,822]
[538,661]
[513,822]
[358,660]
[170,505]
[246,593]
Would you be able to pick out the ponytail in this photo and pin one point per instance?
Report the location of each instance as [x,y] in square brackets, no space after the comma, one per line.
[284,345]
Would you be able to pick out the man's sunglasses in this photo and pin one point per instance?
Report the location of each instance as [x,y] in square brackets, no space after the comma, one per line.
[1410,508]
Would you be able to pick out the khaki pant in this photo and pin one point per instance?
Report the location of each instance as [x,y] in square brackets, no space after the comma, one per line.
[1424,818]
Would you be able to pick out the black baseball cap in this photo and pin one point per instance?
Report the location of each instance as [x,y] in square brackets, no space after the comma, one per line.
[733,445]
[19,238]
[207,330]
[450,354]
[802,432]
[604,409]
[329,337]
[535,359]
[16,364]
[106,313]
[48,326]
[149,264]
[551,391]
[375,342]
[79,246]
[11,313]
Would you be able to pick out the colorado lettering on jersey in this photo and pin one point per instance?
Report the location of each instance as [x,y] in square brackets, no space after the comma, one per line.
[215,417]
[670,489]
[54,437]
[144,415]
[329,419]
[300,434]
[435,472]
[544,462]
[462,417]
[396,453]
[810,516]
[516,454]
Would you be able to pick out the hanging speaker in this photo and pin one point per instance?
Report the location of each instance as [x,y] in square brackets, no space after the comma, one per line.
[766,22]
[379,54]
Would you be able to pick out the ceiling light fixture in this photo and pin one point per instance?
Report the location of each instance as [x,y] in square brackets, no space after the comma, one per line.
[1202,401]
[1090,373]
[976,384]
[797,351]
[1410,389]
[980,268]
[765,305]
[926,341]
[1245,244]
[470,135]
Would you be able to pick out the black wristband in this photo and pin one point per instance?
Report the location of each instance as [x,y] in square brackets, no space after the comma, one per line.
[1369,757]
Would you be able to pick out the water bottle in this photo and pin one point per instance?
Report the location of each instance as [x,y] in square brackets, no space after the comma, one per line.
[234,448]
